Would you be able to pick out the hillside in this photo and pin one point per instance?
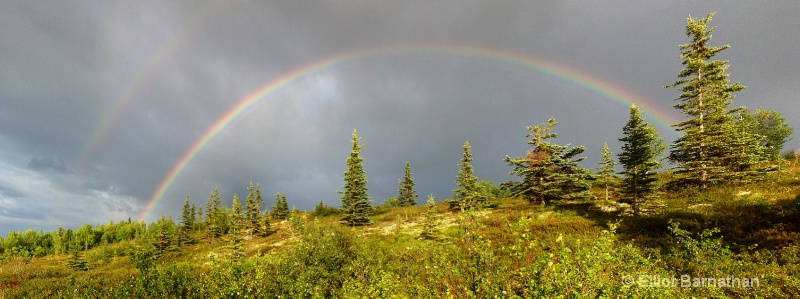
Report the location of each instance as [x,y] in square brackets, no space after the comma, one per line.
[725,242]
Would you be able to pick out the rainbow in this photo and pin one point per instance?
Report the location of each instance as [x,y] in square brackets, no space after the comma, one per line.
[113,111]
[606,89]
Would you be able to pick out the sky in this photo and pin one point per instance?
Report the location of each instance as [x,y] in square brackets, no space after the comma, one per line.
[112,110]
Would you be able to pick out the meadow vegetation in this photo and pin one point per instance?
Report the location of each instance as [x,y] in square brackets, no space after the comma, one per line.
[570,249]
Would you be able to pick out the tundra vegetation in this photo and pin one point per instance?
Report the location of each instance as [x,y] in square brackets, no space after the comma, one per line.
[728,209]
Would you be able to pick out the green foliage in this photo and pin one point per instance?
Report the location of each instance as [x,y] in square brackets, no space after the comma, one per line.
[492,192]
[187,223]
[215,219]
[640,148]
[468,195]
[162,237]
[296,222]
[76,261]
[236,217]
[391,202]
[355,200]
[252,212]
[144,259]
[430,221]
[186,215]
[771,127]
[407,197]
[323,210]
[606,176]
[712,149]
[701,255]
[281,206]
[549,171]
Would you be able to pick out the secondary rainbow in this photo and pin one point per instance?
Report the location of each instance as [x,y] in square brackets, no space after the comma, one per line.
[606,89]
[113,111]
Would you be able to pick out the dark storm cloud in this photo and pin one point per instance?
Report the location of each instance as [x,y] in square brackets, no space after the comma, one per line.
[44,164]
[171,69]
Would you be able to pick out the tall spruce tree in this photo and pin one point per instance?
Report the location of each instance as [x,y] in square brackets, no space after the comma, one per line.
[187,222]
[605,173]
[236,211]
[281,210]
[193,218]
[252,212]
[355,200]
[641,147]
[259,201]
[187,215]
[549,171]
[468,195]
[407,197]
[213,215]
[711,151]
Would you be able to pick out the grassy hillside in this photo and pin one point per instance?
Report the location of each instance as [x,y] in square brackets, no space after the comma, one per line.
[745,238]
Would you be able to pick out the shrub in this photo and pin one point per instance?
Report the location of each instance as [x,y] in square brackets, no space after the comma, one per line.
[322,210]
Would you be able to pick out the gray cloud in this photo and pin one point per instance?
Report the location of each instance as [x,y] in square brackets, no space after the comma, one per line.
[166,72]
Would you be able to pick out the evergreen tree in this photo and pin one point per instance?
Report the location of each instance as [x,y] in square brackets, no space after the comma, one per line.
[58,241]
[162,240]
[236,212]
[549,171]
[252,212]
[355,200]
[259,201]
[237,248]
[213,229]
[407,197]
[194,217]
[281,209]
[711,151]
[468,195]
[187,215]
[296,225]
[605,173]
[641,147]
[76,261]
[266,227]
[430,222]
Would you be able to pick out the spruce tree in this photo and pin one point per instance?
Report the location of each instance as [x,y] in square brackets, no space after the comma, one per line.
[468,195]
[281,209]
[549,171]
[355,200]
[187,216]
[641,147]
[259,200]
[266,227]
[252,212]
[605,173]
[711,151]
[236,211]
[161,240]
[430,222]
[76,261]
[406,197]
[213,229]
[193,211]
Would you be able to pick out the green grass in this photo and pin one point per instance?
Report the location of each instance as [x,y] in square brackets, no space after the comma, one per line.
[570,249]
